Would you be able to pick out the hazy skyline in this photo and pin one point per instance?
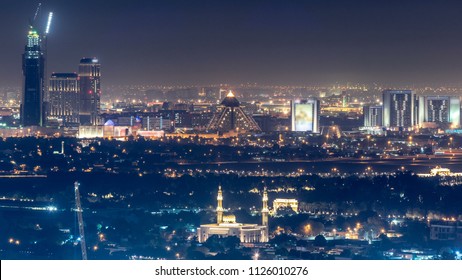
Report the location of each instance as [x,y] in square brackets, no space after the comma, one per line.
[267,42]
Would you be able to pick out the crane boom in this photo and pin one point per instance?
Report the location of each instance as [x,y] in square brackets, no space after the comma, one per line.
[37,11]
[79,211]
[47,29]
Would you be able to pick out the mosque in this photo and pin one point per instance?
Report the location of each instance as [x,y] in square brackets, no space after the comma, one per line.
[227,225]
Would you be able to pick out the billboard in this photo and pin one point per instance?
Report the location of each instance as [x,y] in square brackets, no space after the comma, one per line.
[303,114]
[454,111]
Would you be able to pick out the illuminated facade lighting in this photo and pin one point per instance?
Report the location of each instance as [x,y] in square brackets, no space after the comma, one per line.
[90,91]
[64,98]
[398,109]
[231,117]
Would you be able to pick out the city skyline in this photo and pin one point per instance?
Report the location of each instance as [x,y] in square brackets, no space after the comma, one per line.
[96,163]
[271,42]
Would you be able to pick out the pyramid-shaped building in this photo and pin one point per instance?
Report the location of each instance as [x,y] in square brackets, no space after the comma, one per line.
[231,117]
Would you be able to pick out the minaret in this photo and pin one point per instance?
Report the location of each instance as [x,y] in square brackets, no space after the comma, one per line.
[220,206]
[264,215]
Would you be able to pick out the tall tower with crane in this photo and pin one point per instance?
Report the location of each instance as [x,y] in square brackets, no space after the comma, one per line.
[78,209]
[32,108]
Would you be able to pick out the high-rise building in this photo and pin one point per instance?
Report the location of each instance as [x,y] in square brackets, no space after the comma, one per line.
[33,61]
[373,116]
[199,121]
[231,117]
[267,123]
[64,98]
[440,109]
[305,115]
[90,91]
[398,109]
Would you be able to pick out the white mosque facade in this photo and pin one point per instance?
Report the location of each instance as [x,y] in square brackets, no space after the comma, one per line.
[227,225]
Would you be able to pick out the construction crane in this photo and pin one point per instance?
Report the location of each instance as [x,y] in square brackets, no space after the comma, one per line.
[37,11]
[45,54]
[47,29]
[44,44]
[79,211]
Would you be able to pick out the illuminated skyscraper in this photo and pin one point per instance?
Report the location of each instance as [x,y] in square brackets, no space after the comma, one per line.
[398,109]
[440,109]
[90,91]
[372,116]
[305,115]
[32,111]
[64,98]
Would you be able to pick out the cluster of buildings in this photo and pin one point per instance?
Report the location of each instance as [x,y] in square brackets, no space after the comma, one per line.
[446,230]
[73,101]
[65,99]
[228,118]
[403,110]
[70,104]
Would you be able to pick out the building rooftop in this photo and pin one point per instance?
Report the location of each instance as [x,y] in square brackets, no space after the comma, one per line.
[89,60]
[230,100]
[64,75]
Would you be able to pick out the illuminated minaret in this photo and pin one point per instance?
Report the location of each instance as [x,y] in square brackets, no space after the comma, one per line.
[220,206]
[264,215]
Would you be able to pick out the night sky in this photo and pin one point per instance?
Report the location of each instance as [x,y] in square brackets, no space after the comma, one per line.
[268,42]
